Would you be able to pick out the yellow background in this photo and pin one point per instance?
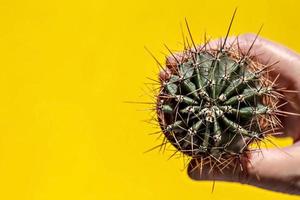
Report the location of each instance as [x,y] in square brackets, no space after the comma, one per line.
[66,68]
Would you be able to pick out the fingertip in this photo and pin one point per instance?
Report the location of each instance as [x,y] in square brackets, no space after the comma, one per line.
[193,171]
[174,58]
[249,36]
[164,74]
[210,170]
[200,171]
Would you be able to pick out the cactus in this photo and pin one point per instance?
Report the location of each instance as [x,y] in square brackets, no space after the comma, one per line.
[214,103]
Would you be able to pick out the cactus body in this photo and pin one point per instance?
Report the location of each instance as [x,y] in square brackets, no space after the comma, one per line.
[216,102]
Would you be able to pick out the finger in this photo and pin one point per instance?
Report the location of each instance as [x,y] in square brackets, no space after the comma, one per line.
[272,169]
[164,74]
[288,67]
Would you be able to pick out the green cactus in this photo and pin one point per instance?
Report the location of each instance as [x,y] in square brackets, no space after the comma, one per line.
[212,103]
[215,102]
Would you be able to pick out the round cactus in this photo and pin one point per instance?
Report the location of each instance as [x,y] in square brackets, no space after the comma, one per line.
[215,102]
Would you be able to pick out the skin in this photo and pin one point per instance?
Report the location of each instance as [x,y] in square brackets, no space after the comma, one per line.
[273,169]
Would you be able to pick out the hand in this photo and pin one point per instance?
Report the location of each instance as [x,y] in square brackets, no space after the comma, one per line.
[273,169]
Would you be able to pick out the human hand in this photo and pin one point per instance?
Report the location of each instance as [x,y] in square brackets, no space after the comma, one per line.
[274,169]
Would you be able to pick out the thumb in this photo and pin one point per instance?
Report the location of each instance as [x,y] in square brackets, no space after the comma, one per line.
[272,169]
